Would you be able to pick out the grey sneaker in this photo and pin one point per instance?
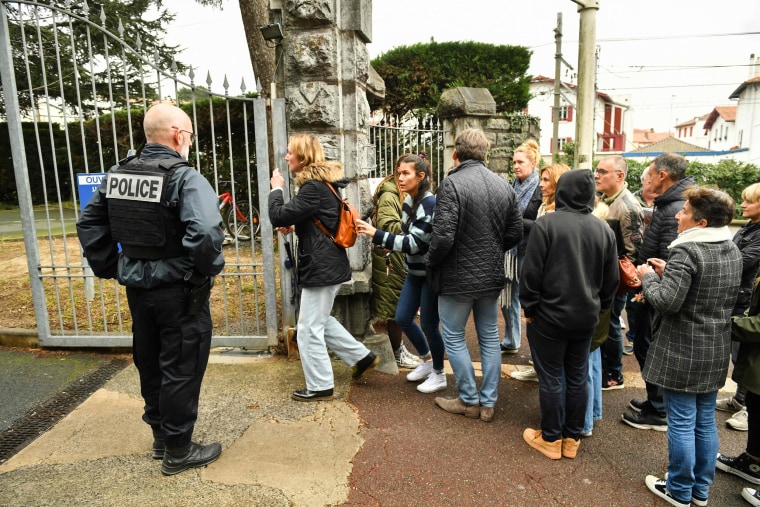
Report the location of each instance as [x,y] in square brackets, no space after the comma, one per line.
[728,405]
[405,359]
[738,421]
[527,375]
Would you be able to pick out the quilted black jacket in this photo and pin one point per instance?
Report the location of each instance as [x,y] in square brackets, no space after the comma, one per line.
[663,228]
[476,221]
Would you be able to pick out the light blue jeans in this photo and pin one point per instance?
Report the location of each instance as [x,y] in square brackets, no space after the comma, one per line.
[454,312]
[594,385]
[512,330]
[692,443]
[317,330]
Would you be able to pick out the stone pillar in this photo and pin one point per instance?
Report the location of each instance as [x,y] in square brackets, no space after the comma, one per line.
[463,108]
[326,68]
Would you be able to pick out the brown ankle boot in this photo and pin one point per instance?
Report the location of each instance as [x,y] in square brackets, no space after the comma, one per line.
[534,439]
[457,406]
[570,447]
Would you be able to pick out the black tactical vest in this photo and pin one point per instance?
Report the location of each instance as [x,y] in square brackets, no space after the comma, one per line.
[139,211]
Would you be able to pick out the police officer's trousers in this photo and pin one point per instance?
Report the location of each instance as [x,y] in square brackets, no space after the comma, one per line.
[171,352]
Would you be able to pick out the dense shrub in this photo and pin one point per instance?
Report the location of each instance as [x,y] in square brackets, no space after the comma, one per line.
[728,175]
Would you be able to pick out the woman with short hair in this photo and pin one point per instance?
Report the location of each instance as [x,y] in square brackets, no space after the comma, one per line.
[693,295]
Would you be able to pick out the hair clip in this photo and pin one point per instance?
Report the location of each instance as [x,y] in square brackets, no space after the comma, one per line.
[422,156]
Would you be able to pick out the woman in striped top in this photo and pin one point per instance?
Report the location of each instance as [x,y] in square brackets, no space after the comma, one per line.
[417,226]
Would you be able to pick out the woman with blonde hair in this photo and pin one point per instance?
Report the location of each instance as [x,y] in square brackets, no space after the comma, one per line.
[322,265]
[548,185]
[524,162]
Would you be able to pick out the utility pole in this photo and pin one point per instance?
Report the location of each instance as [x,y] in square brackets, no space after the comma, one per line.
[556,109]
[584,128]
[557,77]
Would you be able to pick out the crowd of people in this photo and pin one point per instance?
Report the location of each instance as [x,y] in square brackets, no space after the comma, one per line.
[545,248]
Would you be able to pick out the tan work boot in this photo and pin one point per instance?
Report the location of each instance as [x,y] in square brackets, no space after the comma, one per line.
[570,447]
[486,414]
[534,439]
[457,406]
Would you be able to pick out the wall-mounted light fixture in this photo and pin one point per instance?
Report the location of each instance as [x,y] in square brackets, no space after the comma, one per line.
[272,33]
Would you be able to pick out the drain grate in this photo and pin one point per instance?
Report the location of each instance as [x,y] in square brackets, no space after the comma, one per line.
[43,417]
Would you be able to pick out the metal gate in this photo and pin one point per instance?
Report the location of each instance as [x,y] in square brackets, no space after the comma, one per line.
[74,94]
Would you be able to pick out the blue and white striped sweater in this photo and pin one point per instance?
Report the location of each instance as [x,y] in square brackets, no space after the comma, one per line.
[416,238]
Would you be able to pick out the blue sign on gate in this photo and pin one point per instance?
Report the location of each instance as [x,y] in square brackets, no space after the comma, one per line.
[88,184]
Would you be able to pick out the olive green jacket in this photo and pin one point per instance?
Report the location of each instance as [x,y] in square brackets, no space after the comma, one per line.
[387,288]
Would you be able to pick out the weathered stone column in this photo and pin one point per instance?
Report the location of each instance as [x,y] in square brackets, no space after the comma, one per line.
[326,68]
[463,108]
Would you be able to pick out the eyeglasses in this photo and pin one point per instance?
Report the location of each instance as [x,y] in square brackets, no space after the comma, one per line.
[602,172]
[192,134]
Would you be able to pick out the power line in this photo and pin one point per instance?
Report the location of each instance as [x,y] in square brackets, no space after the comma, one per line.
[658,37]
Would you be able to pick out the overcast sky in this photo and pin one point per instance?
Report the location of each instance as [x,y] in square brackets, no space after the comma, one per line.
[676,58]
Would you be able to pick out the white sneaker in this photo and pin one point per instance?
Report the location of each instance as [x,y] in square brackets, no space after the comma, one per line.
[738,421]
[406,359]
[728,405]
[528,375]
[436,381]
[421,372]
[752,496]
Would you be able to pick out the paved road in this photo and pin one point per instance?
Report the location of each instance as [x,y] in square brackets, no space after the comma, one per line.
[52,220]
[380,442]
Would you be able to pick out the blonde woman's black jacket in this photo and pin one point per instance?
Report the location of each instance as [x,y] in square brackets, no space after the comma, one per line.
[745,329]
[320,261]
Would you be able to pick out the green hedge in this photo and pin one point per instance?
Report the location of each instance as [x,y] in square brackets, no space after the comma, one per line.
[728,175]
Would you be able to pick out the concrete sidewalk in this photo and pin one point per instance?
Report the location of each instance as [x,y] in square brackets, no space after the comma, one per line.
[380,442]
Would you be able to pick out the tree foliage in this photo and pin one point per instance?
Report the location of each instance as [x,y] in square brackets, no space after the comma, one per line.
[61,56]
[415,76]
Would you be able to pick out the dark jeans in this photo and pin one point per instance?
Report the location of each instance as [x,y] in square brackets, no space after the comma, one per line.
[562,413]
[753,423]
[416,294]
[631,309]
[171,352]
[644,316]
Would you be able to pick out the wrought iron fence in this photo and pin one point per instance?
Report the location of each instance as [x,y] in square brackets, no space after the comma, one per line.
[395,136]
[74,94]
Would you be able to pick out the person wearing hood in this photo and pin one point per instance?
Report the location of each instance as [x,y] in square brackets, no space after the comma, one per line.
[693,294]
[322,265]
[569,278]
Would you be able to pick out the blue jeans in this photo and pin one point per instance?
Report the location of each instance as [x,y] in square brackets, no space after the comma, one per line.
[594,386]
[416,294]
[692,443]
[317,330]
[454,312]
[612,354]
[512,331]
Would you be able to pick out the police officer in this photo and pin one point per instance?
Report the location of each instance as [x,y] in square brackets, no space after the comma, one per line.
[164,216]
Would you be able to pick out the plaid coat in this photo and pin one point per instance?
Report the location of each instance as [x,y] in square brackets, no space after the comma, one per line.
[691,347]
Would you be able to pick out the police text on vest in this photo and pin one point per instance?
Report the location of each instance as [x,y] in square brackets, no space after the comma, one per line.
[142,187]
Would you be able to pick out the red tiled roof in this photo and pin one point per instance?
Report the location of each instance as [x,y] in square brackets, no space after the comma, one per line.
[644,136]
[728,113]
[738,91]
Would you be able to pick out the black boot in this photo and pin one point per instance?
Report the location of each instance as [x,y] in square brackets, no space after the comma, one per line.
[179,459]
[158,444]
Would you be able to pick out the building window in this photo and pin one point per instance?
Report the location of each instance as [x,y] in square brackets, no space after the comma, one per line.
[565,113]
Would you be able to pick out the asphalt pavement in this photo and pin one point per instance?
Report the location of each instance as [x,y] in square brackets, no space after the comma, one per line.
[379,443]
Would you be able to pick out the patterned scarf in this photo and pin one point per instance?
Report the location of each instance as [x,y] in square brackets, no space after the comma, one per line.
[524,190]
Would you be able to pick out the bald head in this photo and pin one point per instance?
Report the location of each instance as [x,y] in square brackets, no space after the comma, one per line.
[167,124]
